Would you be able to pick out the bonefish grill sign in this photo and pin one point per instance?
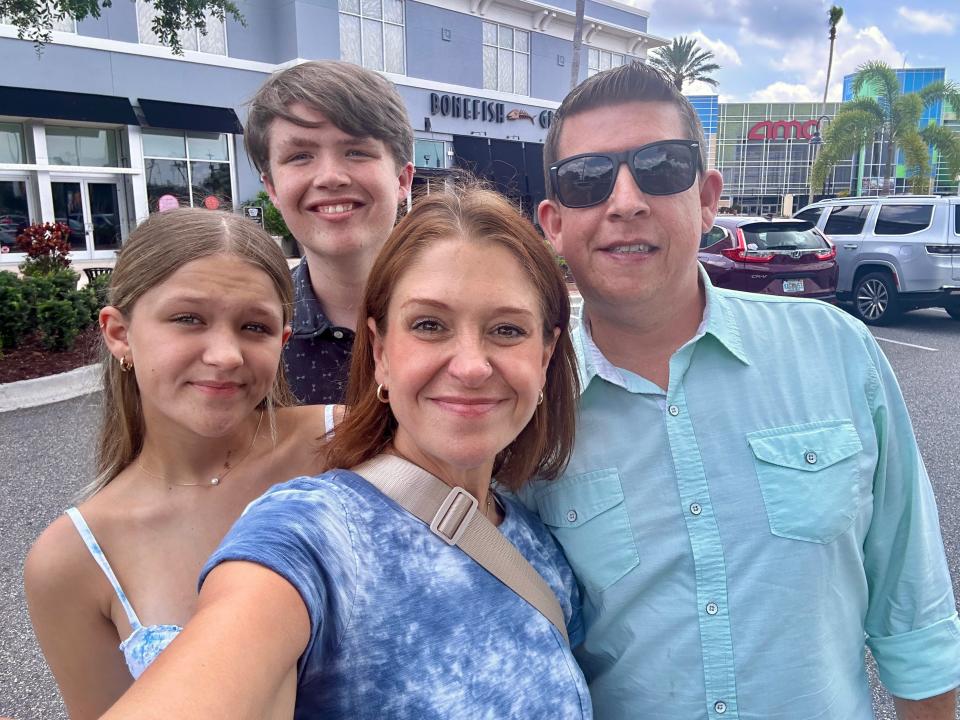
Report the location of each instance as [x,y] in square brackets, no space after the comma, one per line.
[782,130]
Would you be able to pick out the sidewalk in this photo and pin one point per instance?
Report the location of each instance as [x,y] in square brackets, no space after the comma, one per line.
[50,389]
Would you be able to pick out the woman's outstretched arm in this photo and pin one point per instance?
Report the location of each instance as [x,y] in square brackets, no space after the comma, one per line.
[236,658]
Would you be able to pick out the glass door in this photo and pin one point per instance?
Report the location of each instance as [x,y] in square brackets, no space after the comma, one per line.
[93,210]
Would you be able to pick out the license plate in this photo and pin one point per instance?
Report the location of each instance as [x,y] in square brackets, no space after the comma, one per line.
[793,286]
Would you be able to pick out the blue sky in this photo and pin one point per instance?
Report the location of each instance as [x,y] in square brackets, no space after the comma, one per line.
[776,50]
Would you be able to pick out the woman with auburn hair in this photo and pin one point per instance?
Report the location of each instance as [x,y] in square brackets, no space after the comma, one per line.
[333,587]
[195,424]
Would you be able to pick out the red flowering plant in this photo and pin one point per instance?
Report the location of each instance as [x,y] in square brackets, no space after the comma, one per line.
[46,246]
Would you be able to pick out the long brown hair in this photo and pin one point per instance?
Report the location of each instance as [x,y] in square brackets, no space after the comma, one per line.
[543,447]
[156,249]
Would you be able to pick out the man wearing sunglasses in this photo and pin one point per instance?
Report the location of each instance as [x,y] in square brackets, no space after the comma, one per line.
[746,504]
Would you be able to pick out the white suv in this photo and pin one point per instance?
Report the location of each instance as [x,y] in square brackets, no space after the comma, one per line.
[895,253]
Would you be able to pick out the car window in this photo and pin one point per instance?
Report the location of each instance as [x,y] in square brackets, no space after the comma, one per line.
[903,219]
[812,215]
[797,235]
[847,220]
[712,237]
[956,220]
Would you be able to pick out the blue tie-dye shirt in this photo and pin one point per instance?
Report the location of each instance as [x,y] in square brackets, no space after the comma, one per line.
[402,624]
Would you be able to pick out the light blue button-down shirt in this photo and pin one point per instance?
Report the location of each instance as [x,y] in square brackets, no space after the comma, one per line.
[740,536]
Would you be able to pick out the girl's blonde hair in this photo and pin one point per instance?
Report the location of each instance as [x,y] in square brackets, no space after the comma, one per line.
[160,246]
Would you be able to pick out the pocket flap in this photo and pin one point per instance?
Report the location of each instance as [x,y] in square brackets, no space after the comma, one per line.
[574,500]
[809,447]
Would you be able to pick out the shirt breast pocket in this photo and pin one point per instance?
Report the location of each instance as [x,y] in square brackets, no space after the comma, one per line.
[809,478]
[587,515]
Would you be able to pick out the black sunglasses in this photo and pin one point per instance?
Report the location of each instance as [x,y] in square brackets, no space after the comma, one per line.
[660,168]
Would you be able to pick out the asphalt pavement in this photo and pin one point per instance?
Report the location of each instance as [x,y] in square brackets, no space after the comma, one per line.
[46,456]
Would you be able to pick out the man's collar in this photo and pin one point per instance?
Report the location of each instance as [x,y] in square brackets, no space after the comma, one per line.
[308,317]
[719,320]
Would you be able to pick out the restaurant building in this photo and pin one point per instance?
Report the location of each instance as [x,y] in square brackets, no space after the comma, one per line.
[104,126]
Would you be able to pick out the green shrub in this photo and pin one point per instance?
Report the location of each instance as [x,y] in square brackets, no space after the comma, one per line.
[57,322]
[37,289]
[101,288]
[13,311]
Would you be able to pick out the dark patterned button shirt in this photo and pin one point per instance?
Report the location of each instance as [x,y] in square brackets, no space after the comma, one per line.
[317,357]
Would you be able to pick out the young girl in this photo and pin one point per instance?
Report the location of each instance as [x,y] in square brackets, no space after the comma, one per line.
[195,425]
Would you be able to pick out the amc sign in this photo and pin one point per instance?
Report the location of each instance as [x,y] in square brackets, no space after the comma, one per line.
[782,130]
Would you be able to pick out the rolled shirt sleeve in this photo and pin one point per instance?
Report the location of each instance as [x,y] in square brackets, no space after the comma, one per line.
[911,621]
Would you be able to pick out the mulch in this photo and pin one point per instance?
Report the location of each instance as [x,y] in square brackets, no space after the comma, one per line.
[32,360]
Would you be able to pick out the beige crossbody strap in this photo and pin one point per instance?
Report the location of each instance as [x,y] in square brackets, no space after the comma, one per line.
[452,514]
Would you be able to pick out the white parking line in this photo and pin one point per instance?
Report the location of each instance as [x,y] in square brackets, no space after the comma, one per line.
[897,342]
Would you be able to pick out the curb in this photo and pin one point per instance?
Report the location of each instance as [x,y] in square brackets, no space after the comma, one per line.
[51,389]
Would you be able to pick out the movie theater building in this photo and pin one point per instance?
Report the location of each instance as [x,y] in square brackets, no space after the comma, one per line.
[105,126]
[765,150]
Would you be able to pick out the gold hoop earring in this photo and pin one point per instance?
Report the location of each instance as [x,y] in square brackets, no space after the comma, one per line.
[383,395]
[125,365]
[540,398]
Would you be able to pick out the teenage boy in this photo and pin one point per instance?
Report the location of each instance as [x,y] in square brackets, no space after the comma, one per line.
[746,504]
[333,144]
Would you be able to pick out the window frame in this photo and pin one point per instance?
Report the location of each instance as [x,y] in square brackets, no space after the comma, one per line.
[138,4]
[591,70]
[382,21]
[513,53]
[228,161]
[865,208]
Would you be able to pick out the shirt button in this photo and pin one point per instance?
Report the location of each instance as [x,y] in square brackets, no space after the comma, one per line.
[572,515]
[695,509]
[720,706]
[712,608]
[673,410]
[338,334]
[811,458]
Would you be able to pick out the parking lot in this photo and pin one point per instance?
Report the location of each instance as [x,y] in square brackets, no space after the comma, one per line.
[45,453]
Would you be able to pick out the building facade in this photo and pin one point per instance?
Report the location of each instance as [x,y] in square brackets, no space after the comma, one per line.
[105,125]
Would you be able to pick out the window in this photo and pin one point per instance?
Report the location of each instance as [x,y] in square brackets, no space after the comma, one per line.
[429,153]
[600,60]
[903,219]
[88,147]
[14,212]
[12,149]
[812,215]
[847,220]
[371,34]
[956,220]
[214,42]
[712,237]
[506,59]
[187,169]
[65,24]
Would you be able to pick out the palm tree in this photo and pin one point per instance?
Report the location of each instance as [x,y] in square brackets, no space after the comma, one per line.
[835,14]
[682,62]
[894,116]
[577,45]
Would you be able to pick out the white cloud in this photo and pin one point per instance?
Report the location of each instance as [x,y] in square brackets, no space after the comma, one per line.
[785,92]
[725,55]
[805,63]
[926,23]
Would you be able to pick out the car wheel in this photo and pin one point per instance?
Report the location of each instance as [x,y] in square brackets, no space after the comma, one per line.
[875,300]
[953,311]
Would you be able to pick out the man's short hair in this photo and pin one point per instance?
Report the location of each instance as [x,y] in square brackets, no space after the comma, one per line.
[633,82]
[358,101]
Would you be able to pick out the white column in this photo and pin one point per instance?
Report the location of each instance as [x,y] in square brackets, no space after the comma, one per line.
[44,191]
[141,206]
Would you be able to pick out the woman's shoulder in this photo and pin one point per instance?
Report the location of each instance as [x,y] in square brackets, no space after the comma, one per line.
[306,422]
[58,562]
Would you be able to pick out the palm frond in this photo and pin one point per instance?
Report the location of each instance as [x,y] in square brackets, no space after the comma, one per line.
[880,76]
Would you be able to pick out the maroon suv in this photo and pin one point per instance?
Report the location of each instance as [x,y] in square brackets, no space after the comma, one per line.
[776,257]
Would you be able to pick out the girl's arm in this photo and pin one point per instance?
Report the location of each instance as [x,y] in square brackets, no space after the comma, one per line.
[68,598]
[236,658]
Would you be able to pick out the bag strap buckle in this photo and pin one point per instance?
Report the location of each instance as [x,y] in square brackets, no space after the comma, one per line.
[454,515]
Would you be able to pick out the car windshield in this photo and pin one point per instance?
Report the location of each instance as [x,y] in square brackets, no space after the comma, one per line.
[797,235]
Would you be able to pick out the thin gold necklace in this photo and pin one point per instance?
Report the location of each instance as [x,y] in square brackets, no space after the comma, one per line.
[215,480]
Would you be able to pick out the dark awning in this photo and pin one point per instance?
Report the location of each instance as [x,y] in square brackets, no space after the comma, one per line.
[184,116]
[507,171]
[472,153]
[58,105]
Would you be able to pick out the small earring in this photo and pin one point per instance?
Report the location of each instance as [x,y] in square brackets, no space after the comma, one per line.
[540,398]
[125,365]
[383,395]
